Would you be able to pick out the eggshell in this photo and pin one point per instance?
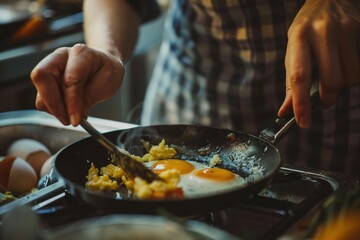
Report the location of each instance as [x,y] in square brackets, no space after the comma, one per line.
[5,167]
[17,176]
[46,167]
[34,152]
[37,160]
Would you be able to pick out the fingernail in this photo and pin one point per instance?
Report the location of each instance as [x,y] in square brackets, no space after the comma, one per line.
[304,122]
[73,120]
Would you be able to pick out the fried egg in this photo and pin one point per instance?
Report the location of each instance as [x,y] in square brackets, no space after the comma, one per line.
[198,179]
[182,166]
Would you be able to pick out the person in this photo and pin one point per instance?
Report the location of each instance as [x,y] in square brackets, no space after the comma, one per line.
[232,64]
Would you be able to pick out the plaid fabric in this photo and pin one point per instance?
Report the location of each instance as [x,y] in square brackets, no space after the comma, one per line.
[222,64]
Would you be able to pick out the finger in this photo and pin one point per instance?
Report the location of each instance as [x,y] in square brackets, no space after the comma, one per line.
[350,63]
[46,77]
[298,78]
[40,104]
[328,60]
[286,106]
[76,74]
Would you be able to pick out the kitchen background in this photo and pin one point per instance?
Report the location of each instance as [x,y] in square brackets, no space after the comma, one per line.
[31,29]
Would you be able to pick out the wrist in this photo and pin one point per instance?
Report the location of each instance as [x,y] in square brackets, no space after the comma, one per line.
[115,53]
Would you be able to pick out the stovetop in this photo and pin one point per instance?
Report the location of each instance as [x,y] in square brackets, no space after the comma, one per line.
[292,195]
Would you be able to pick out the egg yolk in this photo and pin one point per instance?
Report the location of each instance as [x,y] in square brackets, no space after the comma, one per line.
[180,165]
[216,174]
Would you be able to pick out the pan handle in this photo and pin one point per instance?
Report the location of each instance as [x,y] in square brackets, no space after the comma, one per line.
[281,126]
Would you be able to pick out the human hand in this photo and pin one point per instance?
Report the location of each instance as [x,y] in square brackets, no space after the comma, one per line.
[325,33]
[71,80]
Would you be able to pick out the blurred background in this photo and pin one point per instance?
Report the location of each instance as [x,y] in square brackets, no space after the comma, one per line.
[31,29]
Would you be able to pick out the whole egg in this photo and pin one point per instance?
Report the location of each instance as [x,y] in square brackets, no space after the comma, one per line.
[33,151]
[16,176]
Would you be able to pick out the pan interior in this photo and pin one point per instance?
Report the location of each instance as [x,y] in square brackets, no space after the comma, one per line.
[247,156]
[241,153]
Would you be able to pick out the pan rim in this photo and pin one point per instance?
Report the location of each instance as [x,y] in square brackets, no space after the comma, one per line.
[78,187]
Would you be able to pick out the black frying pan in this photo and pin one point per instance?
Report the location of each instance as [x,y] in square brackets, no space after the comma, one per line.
[241,153]
[240,156]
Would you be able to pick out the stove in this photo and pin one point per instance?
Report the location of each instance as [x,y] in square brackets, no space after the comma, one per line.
[291,196]
[282,207]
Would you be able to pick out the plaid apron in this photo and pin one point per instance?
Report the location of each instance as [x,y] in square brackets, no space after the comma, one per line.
[221,64]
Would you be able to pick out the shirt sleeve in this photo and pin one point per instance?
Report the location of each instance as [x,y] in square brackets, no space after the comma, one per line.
[147,9]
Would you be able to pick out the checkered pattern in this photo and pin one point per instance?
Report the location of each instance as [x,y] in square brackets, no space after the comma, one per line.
[222,64]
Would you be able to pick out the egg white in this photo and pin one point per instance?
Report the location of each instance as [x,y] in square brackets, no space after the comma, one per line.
[194,186]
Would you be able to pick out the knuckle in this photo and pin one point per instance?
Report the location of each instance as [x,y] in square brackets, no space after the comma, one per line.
[298,30]
[79,48]
[323,21]
[40,106]
[297,77]
[38,74]
[325,29]
[71,79]
[322,24]
[82,51]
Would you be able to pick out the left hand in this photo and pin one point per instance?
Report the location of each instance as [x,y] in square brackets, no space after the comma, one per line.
[327,33]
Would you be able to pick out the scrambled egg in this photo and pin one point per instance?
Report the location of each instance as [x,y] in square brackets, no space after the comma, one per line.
[159,152]
[100,182]
[7,197]
[107,179]
[112,171]
[159,189]
[216,160]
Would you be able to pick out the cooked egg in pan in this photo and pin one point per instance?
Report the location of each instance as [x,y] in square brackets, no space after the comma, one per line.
[182,166]
[198,179]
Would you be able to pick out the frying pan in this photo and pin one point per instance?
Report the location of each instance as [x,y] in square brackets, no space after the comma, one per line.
[240,153]
[197,143]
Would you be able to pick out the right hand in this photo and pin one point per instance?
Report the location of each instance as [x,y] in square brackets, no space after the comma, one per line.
[325,34]
[71,80]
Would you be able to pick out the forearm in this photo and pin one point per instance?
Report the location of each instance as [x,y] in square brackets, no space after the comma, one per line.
[111,26]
